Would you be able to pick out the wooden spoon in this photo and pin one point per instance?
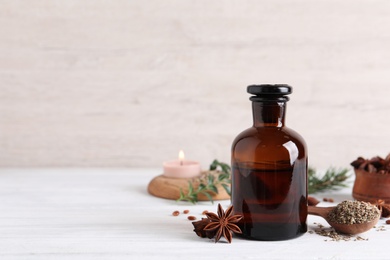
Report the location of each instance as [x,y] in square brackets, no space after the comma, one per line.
[351,229]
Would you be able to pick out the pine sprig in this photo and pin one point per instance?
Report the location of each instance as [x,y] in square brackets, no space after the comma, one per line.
[333,179]
[208,183]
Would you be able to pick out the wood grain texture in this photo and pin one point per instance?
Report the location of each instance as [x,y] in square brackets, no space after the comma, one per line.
[83,214]
[129,83]
[170,188]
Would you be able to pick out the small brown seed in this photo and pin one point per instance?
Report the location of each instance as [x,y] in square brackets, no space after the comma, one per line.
[191,218]
[388,221]
[186,211]
[311,201]
[175,213]
[204,212]
[328,199]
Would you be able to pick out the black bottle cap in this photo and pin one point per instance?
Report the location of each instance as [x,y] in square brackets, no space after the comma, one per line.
[268,89]
[269,92]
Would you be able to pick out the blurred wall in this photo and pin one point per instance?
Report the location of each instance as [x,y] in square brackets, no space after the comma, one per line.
[129,83]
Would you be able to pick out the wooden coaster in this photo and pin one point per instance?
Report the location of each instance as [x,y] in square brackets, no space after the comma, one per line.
[169,188]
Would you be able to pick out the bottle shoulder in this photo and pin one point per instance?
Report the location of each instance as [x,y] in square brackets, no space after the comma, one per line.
[294,135]
[269,134]
[246,134]
[268,144]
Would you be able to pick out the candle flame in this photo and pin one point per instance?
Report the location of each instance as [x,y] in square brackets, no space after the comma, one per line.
[181,157]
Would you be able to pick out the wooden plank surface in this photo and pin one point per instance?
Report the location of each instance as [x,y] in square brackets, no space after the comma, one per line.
[108,214]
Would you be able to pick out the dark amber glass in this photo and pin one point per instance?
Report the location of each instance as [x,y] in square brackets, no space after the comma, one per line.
[269,165]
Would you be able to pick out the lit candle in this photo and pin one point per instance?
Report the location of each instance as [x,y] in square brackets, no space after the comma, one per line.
[181,168]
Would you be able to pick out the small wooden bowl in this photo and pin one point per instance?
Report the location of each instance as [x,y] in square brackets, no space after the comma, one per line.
[371,187]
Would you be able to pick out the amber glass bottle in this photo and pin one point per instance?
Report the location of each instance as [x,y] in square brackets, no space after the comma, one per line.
[269,165]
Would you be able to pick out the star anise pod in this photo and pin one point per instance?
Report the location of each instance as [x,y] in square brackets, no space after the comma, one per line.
[386,165]
[199,228]
[359,161]
[374,165]
[384,208]
[223,223]
[367,165]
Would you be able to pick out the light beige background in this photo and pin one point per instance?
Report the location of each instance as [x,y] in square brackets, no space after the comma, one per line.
[129,83]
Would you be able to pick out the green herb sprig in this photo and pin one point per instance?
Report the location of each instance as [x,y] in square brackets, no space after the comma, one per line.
[208,183]
[333,179]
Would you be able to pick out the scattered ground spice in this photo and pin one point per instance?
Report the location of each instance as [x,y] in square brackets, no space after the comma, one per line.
[176,213]
[358,238]
[186,211]
[353,212]
[381,228]
[191,218]
[331,233]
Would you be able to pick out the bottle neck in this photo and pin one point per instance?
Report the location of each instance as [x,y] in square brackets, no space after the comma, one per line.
[268,113]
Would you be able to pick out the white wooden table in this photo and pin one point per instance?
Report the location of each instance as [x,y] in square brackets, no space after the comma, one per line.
[108,214]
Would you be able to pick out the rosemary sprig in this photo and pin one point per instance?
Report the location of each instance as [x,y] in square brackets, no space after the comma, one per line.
[208,183]
[333,179]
